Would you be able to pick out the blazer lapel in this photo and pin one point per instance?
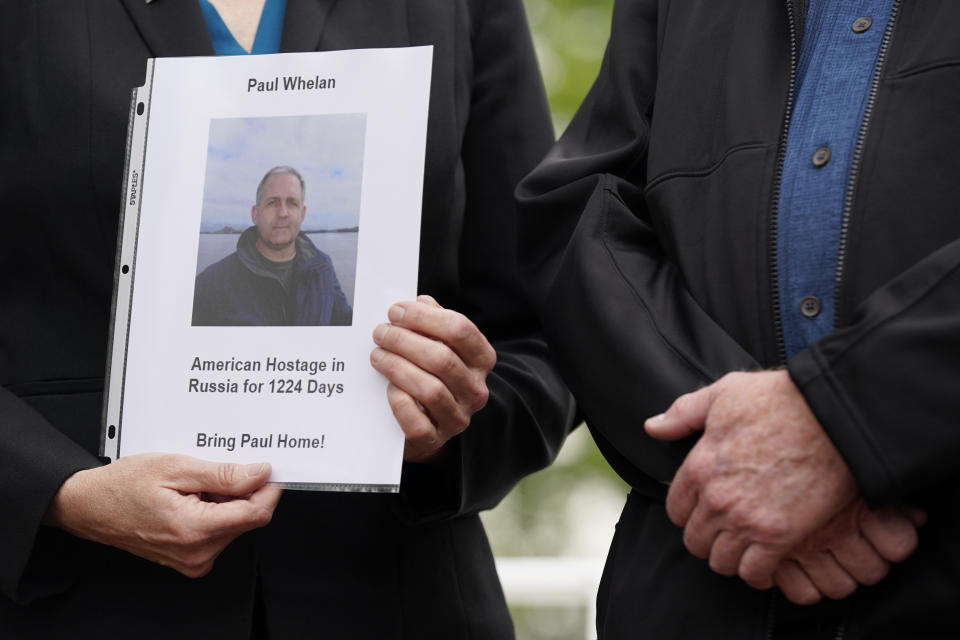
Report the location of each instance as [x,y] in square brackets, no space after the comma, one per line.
[303,24]
[171,28]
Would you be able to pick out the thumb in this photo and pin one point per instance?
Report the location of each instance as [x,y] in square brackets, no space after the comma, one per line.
[425,299]
[225,478]
[686,415]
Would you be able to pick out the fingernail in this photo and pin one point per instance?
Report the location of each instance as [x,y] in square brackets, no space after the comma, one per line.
[254,470]
[376,355]
[657,419]
[395,313]
[379,332]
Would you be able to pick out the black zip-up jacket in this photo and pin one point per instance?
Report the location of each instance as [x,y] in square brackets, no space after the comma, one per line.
[649,236]
[237,291]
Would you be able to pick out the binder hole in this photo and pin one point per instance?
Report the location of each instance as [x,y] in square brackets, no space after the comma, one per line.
[125,269]
[140,109]
[111,432]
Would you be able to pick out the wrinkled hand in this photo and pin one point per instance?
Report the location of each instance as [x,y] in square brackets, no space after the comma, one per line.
[153,506]
[856,547]
[762,478]
[437,363]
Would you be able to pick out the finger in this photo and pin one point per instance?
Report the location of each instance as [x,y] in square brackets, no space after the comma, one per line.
[229,519]
[467,386]
[700,532]
[757,565]
[686,415]
[450,327]
[425,388]
[890,532]
[859,558]
[830,578]
[193,475]
[421,436]
[682,496]
[795,585]
[725,553]
[916,515]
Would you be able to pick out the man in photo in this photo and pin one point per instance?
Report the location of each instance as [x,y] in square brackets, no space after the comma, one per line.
[276,276]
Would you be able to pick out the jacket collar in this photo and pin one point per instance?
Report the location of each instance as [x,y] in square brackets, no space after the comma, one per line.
[173,28]
[303,24]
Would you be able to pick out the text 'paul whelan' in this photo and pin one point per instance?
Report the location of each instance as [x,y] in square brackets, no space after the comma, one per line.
[291,83]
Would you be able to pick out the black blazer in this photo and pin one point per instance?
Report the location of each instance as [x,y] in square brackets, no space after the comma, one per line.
[415,565]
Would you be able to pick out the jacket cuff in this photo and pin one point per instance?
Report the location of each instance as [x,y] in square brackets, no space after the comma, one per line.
[38,460]
[847,430]
[433,490]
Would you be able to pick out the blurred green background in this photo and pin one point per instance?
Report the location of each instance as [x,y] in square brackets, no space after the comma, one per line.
[569,36]
[569,509]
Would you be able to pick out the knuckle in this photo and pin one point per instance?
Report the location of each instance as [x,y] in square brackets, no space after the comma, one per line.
[459,327]
[839,588]
[261,517]
[697,468]
[755,579]
[190,539]
[480,394]
[401,402]
[874,574]
[902,545]
[799,591]
[434,393]
[769,528]
[421,433]
[227,473]
[756,569]
[716,498]
[384,361]
[489,358]
[691,542]
[459,423]
[721,567]
[447,362]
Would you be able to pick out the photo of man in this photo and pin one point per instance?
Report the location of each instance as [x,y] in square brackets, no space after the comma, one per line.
[261,260]
[276,276]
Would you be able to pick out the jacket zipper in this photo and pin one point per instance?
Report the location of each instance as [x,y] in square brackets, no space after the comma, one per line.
[772,254]
[858,157]
[771,615]
[778,177]
[841,628]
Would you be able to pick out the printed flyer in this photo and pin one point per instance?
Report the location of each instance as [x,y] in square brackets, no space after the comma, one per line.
[271,217]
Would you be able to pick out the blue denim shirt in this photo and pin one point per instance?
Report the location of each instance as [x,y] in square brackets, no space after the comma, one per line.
[838,56]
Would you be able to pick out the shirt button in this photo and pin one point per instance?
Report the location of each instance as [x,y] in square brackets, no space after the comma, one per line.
[861,24]
[810,306]
[821,157]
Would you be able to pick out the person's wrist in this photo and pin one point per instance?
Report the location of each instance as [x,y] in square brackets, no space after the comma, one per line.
[62,509]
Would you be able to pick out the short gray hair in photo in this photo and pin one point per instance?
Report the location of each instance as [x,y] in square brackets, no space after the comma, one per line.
[282,169]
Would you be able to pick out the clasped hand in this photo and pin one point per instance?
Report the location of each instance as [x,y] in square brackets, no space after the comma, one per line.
[765,495]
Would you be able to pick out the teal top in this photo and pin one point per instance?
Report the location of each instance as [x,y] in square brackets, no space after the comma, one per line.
[269,31]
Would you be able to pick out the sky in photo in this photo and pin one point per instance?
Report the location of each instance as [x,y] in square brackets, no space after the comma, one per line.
[326,149]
